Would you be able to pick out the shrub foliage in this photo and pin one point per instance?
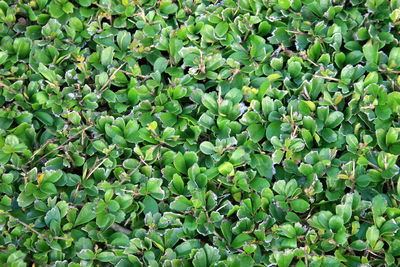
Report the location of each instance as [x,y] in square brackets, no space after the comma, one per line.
[199,133]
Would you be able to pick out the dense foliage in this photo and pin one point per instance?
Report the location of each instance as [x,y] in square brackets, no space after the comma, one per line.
[199,133]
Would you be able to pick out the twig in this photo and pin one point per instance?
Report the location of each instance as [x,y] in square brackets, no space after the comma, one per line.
[389,71]
[364,220]
[118,228]
[36,261]
[62,238]
[41,149]
[136,75]
[375,254]
[305,256]
[61,146]
[219,96]
[29,227]
[111,77]
[95,168]
[299,32]
[4,85]
[327,78]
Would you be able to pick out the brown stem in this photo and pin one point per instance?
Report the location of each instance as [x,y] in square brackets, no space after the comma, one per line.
[111,77]
[29,227]
[118,228]
[95,167]
[61,146]
[327,78]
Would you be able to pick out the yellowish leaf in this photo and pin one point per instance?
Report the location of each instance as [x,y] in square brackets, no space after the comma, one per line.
[40,178]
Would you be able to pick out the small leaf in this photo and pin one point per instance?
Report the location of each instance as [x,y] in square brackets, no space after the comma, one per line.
[299,205]
[394,58]
[379,206]
[179,163]
[207,148]
[285,4]
[226,168]
[221,29]
[256,132]
[372,235]
[334,119]
[160,64]
[86,214]
[352,141]
[391,136]
[48,74]
[240,240]
[370,51]
[181,204]
[210,103]
[107,55]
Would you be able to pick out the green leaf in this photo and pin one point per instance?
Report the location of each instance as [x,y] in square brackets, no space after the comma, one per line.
[52,176]
[284,258]
[263,164]
[256,132]
[106,256]
[55,10]
[372,235]
[22,47]
[210,103]
[3,57]
[179,163]
[394,101]
[154,188]
[383,112]
[294,68]
[221,29]
[178,183]
[391,136]
[85,3]
[334,119]
[287,230]
[99,145]
[76,24]
[273,129]
[48,74]
[124,39]
[299,205]
[285,4]
[379,206]
[226,168]
[86,214]
[329,135]
[168,8]
[107,55]
[240,240]
[68,8]
[86,254]
[207,148]
[358,245]
[352,142]
[181,204]
[394,58]
[44,117]
[370,50]
[186,247]
[200,259]
[74,117]
[150,205]
[179,92]
[336,223]
[160,64]
[52,215]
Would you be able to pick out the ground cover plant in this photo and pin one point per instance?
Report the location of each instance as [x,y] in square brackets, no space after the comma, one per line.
[199,133]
